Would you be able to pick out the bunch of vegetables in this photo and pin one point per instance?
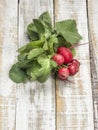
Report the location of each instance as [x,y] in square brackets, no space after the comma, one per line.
[50,50]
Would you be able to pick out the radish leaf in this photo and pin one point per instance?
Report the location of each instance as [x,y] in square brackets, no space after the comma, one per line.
[35,52]
[39,26]
[17,74]
[46,20]
[32,32]
[68,30]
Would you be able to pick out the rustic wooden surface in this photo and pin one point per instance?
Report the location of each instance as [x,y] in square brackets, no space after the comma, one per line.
[93,37]
[54,105]
[8,45]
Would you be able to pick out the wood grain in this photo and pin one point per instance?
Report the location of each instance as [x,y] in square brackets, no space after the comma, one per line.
[35,106]
[36,102]
[8,45]
[93,35]
[74,101]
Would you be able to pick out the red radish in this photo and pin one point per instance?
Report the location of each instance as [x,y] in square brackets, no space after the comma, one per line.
[76,62]
[73,69]
[63,73]
[68,56]
[58,58]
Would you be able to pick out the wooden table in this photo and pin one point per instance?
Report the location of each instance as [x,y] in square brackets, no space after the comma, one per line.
[53,105]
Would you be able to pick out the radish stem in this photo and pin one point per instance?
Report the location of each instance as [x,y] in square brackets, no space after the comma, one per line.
[78,45]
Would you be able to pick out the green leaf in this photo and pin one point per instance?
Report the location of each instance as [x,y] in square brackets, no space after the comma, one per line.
[22,57]
[69,25]
[39,26]
[25,64]
[43,55]
[34,44]
[45,70]
[71,37]
[43,78]
[35,52]
[61,42]
[33,71]
[53,64]
[45,46]
[44,62]
[21,49]
[40,71]
[53,40]
[68,30]
[32,32]
[31,27]
[16,74]
[46,20]
[73,51]
[33,35]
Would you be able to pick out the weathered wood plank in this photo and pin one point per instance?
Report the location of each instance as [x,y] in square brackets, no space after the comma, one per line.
[36,102]
[74,101]
[93,33]
[8,45]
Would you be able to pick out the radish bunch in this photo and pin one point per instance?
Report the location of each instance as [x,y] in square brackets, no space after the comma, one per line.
[67,66]
[50,49]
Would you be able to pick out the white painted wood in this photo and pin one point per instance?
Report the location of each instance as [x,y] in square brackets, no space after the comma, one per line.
[74,101]
[93,32]
[35,108]
[8,46]
[36,102]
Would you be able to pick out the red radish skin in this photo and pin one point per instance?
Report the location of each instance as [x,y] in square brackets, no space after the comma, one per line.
[77,69]
[68,56]
[75,61]
[58,58]
[63,73]
[73,69]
